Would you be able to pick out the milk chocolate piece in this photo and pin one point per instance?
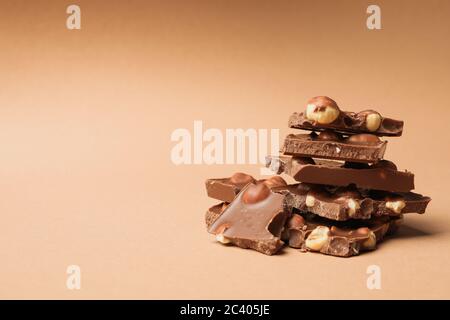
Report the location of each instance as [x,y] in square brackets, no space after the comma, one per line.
[213,213]
[226,189]
[312,233]
[349,123]
[255,220]
[345,203]
[328,145]
[378,177]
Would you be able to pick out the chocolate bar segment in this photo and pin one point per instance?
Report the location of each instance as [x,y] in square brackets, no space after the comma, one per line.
[226,189]
[346,203]
[329,145]
[312,233]
[348,123]
[382,175]
[213,213]
[255,220]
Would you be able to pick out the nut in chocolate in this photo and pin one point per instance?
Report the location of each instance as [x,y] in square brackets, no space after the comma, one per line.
[348,197]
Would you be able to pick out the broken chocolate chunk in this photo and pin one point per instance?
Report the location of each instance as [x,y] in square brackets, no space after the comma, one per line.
[312,233]
[368,121]
[254,219]
[226,189]
[330,146]
[213,213]
[343,203]
[336,173]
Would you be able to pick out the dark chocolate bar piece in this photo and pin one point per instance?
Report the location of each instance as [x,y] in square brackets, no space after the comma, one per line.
[382,175]
[330,145]
[226,189]
[255,220]
[346,203]
[311,233]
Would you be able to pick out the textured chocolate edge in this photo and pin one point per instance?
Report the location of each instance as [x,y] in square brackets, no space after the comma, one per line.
[284,164]
[369,207]
[338,245]
[298,121]
[268,246]
[337,150]
[213,213]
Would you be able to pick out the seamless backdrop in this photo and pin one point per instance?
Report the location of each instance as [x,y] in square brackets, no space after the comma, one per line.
[85,123]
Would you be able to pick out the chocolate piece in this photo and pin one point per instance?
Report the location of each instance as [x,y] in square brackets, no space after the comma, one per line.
[213,213]
[255,220]
[273,182]
[226,189]
[345,203]
[385,203]
[357,148]
[336,174]
[312,233]
[350,123]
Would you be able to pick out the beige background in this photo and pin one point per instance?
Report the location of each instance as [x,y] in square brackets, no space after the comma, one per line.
[85,123]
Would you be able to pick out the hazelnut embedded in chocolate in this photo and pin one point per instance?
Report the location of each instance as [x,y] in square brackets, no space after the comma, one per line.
[241,178]
[255,193]
[372,119]
[322,110]
[317,238]
[395,205]
[329,135]
[275,181]
[296,222]
[363,138]
[384,164]
[363,231]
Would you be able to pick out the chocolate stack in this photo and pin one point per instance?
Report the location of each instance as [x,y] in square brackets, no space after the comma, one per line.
[347,200]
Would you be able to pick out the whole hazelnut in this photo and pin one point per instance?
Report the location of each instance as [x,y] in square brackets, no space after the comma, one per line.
[322,110]
[372,119]
[317,238]
[241,178]
[363,138]
[255,193]
[329,135]
[275,181]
